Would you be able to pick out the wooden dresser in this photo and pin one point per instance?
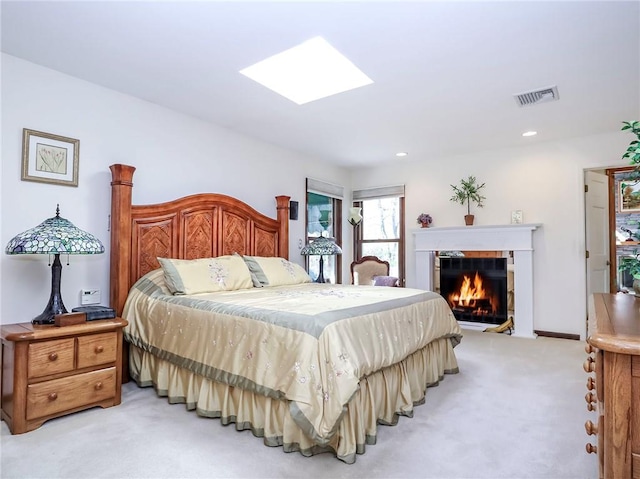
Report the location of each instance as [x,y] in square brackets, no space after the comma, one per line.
[50,371]
[613,348]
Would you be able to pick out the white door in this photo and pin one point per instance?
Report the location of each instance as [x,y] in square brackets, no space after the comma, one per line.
[597,232]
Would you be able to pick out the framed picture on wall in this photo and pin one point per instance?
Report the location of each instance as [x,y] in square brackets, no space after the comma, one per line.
[628,192]
[49,158]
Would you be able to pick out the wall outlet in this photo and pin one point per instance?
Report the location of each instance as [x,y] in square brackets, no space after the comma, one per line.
[90,296]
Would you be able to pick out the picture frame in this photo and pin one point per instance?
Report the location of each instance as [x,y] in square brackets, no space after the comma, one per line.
[628,192]
[49,158]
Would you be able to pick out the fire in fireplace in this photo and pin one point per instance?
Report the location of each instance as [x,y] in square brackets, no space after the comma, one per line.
[476,288]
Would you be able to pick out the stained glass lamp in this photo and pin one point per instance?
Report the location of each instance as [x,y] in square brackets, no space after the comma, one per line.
[54,236]
[321,246]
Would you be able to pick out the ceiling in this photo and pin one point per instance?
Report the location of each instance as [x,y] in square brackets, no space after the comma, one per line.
[444,72]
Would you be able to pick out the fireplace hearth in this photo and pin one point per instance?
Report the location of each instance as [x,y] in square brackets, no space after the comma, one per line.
[476,288]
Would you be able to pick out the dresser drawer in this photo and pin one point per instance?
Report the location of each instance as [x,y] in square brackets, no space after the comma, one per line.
[97,349]
[50,357]
[58,395]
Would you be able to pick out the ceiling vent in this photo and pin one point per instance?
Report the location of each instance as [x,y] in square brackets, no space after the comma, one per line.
[537,96]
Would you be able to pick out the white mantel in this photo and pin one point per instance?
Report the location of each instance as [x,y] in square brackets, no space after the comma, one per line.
[516,238]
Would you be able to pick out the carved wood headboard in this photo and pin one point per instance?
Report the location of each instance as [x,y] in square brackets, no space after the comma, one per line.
[197,226]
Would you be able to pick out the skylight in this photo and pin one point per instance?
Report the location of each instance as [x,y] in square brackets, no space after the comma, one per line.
[308,72]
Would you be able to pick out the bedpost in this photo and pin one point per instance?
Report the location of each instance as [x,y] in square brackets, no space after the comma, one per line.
[282,203]
[120,275]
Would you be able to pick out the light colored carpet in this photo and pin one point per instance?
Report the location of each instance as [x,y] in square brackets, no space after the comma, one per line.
[515,410]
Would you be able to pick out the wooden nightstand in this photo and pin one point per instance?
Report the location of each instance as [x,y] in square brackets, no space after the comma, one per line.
[50,371]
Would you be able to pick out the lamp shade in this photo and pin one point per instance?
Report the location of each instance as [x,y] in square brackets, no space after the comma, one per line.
[321,246]
[355,216]
[54,236]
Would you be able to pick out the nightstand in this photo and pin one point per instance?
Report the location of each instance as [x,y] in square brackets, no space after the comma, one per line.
[50,371]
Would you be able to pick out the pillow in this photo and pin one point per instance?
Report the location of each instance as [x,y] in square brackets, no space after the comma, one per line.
[385,281]
[205,275]
[273,271]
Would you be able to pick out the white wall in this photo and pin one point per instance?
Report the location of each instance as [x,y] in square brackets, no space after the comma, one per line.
[545,181]
[174,155]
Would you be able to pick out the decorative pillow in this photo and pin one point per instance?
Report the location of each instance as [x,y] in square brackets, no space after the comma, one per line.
[267,271]
[205,275]
[385,281]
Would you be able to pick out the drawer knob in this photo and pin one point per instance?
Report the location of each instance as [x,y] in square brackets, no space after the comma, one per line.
[53,356]
[591,384]
[53,396]
[591,449]
[590,397]
[591,428]
[98,386]
[99,349]
[591,406]
[589,365]
[588,348]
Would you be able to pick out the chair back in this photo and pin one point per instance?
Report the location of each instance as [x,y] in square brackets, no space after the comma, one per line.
[366,268]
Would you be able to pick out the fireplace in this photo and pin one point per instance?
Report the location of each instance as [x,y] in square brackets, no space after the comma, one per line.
[475,288]
[517,238]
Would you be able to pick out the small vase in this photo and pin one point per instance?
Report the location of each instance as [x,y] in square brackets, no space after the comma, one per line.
[636,286]
[424,225]
[468,219]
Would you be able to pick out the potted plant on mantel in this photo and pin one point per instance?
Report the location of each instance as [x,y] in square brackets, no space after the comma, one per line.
[631,264]
[467,192]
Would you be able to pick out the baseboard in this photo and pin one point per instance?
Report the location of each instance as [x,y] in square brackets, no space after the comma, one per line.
[551,334]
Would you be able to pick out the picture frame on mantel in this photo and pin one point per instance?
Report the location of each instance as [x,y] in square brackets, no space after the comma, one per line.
[628,196]
[49,158]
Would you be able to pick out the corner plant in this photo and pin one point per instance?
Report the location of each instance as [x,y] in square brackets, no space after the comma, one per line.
[467,192]
[633,151]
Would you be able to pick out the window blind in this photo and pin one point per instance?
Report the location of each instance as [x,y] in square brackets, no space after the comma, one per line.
[323,188]
[379,192]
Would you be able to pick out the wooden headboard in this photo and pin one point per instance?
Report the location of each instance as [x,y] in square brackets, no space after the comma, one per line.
[197,226]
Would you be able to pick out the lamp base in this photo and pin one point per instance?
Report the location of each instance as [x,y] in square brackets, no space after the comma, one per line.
[55,305]
[46,317]
[320,278]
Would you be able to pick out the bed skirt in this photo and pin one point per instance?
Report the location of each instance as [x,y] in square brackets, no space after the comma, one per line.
[381,398]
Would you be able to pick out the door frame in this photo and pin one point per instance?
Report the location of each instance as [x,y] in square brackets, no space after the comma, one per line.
[613,259]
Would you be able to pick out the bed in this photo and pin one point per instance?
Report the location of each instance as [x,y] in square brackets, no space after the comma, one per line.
[309,367]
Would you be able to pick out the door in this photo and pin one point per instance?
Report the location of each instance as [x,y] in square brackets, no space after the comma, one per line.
[597,231]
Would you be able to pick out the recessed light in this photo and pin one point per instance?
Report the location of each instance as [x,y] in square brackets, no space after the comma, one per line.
[308,72]
[530,133]
[400,154]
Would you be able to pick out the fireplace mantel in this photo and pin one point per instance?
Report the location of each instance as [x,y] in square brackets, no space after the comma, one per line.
[516,238]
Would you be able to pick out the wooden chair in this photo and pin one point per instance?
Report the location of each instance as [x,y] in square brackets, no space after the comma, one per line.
[371,270]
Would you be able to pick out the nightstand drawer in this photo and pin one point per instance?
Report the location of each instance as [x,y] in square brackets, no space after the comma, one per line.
[63,394]
[50,357]
[97,349]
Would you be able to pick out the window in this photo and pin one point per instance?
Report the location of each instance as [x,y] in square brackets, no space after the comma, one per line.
[324,217]
[381,232]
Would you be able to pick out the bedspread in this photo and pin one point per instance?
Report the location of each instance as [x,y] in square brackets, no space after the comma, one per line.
[309,343]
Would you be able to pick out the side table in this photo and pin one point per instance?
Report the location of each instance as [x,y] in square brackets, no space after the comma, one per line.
[50,371]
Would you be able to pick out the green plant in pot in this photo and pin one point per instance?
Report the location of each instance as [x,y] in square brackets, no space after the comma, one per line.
[631,264]
[633,151]
[467,192]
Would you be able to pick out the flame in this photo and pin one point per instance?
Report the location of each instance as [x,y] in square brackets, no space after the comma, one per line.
[469,294]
